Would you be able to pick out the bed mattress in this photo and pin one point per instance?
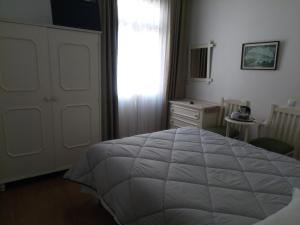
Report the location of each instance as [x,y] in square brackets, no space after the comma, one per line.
[187,176]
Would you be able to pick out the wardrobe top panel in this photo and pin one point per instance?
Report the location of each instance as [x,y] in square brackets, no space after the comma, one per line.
[53,26]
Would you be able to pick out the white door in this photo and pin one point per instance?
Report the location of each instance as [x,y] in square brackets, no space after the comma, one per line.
[75,61]
[26,144]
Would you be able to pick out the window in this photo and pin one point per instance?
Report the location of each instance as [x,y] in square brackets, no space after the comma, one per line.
[139,54]
[142,40]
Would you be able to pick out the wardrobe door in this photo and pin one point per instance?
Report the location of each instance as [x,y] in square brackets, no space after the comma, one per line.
[75,81]
[26,144]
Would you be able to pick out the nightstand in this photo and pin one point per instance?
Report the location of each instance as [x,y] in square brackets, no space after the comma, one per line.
[195,113]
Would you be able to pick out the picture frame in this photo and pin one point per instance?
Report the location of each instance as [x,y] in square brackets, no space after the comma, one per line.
[260,55]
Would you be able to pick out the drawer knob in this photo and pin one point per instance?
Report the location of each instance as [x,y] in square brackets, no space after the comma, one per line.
[47,99]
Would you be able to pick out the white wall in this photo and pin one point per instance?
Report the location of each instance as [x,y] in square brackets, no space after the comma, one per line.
[26,11]
[229,23]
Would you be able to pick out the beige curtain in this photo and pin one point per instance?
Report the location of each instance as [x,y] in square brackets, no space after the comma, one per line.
[178,51]
[109,99]
[177,58]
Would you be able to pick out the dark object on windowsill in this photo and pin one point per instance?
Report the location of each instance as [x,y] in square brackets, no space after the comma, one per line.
[192,102]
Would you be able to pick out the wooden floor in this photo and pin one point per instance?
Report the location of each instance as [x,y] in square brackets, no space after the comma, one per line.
[50,200]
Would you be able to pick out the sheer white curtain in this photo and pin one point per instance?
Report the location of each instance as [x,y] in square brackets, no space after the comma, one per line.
[142,45]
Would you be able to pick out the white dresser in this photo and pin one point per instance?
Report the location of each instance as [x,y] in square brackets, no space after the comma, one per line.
[187,112]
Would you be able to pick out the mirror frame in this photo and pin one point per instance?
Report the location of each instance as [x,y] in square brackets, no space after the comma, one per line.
[209,47]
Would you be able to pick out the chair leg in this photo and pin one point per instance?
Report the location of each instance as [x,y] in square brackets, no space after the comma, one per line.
[294,154]
[227,130]
[2,187]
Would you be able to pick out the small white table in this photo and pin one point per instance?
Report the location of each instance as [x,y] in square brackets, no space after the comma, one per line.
[241,124]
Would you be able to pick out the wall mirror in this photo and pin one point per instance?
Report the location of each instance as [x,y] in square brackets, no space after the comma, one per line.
[200,62]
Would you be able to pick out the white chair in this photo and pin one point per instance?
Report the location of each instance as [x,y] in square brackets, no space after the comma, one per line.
[281,131]
[228,106]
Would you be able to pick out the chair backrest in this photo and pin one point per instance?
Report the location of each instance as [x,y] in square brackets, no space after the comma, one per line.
[284,124]
[229,106]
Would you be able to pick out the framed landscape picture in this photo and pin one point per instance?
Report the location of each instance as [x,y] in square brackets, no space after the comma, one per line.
[260,55]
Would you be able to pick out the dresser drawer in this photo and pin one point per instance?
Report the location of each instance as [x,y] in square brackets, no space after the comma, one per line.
[200,114]
[185,112]
[176,122]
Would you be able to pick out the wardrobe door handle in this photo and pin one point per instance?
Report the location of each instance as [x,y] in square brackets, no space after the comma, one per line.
[54,99]
[47,99]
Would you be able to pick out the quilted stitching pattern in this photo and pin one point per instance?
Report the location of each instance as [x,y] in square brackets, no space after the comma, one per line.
[188,176]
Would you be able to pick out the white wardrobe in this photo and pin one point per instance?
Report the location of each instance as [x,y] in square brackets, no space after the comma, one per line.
[49,98]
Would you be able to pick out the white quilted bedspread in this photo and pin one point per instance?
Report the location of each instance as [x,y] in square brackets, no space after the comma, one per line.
[187,176]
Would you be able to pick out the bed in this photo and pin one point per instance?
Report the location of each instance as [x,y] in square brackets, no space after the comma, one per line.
[187,176]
